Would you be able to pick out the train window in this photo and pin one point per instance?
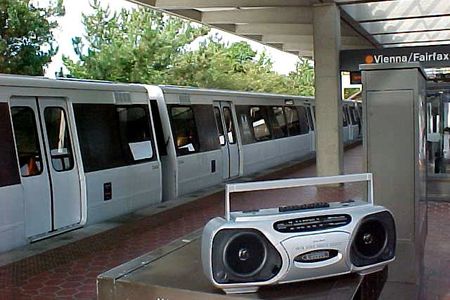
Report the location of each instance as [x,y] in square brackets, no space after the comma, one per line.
[278,122]
[344,117]
[303,118]
[259,121]
[135,132]
[293,124]
[244,124]
[231,134]
[9,173]
[205,121]
[184,130]
[158,128]
[310,117]
[106,136]
[219,126]
[27,141]
[58,139]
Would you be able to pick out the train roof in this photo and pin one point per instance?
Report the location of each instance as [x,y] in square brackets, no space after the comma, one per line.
[72,83]
[194,90]
[66,83]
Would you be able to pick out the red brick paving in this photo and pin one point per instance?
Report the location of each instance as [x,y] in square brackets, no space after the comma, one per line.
[69,272]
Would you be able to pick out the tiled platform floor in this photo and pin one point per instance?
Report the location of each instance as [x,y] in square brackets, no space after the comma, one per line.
[69,272]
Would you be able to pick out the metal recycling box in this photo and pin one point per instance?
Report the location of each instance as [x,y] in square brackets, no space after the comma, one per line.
[174,272]
[394,126]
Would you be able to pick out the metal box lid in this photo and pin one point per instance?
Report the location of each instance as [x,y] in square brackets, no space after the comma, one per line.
[175,272]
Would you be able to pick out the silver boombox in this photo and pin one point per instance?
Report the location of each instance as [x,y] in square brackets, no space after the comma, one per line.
[246,250]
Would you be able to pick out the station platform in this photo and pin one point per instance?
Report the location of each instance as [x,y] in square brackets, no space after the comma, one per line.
[66,266]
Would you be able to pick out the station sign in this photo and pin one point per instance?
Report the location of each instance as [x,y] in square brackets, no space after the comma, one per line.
[428,56]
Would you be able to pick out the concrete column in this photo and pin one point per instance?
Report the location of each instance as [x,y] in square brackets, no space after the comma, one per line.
[327,43]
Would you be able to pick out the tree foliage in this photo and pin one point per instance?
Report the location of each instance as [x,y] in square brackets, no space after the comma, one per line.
[303,78]
[146,46]
[27,42]
[130,46]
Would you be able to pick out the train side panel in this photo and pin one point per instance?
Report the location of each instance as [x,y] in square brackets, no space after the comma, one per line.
[120,158]
[273,133]
[194,140]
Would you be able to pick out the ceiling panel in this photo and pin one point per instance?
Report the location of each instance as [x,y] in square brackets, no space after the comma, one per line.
[408,25]
[413,37]
[386,10]
[431,43]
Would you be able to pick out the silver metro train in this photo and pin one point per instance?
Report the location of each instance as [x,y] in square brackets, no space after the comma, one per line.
[77,152]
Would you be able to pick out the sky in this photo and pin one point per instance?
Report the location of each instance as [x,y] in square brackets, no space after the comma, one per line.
[70,26]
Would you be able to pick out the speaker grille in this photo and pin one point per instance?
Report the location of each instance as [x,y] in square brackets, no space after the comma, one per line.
[243,255]
[374,241]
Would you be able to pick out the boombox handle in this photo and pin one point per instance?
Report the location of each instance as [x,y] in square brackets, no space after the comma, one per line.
[292,183]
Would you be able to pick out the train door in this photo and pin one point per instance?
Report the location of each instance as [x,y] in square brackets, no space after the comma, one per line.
[227,137]
[49,170]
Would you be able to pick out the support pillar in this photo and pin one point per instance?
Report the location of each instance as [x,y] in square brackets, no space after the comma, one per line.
[327,44]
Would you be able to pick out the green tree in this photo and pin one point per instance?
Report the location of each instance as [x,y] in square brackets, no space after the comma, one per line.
[303,78]
[145,46]
[130,46]
[27,42]
[235,67]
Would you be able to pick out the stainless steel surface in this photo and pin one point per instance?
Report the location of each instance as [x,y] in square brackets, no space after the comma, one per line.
[394,143]
[174,272]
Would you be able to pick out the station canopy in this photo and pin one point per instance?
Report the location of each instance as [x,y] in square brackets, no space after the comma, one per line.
[288,24]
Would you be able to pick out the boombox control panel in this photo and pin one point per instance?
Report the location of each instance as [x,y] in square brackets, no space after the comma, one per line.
[312,223]
[304,206]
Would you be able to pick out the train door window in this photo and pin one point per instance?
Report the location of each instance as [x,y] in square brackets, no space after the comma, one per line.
[231,134]
[293,124]
[27,141]
[279,122]
[158,128]
[219,126]
[135,134]
[259,123]
[310,118]
[58,139]
[184,130]
[344,117]
[303,119]
[9,173]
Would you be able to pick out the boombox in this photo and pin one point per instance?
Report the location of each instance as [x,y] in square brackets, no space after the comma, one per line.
[248,249]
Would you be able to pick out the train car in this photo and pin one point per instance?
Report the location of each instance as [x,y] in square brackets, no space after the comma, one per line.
[78,152]
[351,120]
[72,153]
[211,135]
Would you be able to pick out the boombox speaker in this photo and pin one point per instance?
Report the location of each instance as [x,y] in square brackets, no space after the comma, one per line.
[246,250]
